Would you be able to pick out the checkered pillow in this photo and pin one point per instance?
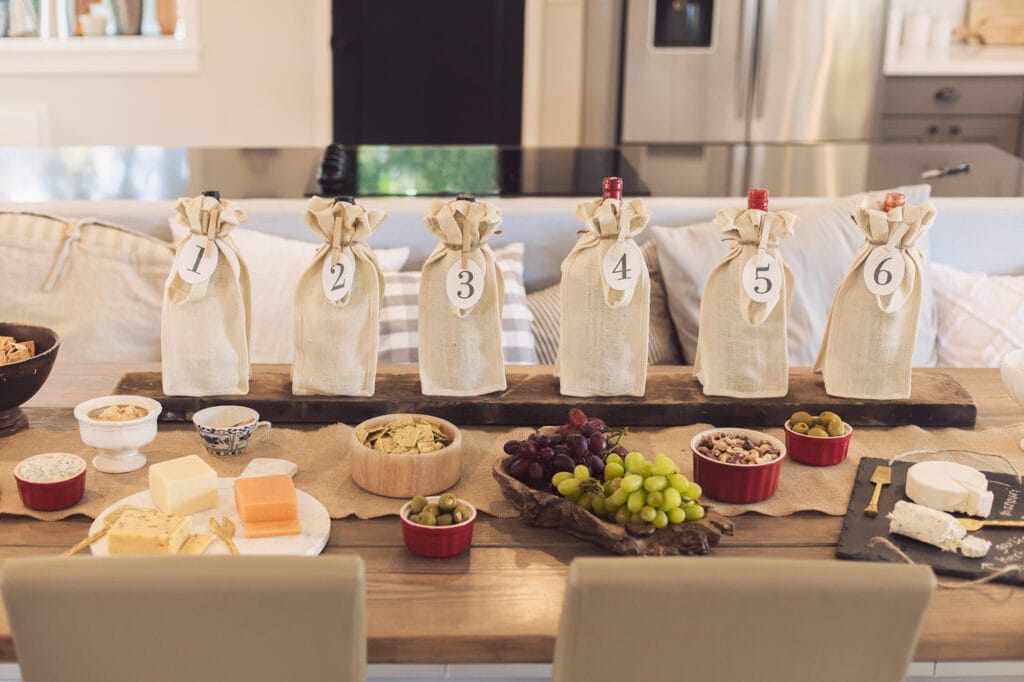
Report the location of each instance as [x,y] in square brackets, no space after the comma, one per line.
[399,313]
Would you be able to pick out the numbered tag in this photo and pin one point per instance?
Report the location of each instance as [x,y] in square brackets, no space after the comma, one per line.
[196,261]
[762,278]
[884,270]
[465,285]
[337,279]
[621,266]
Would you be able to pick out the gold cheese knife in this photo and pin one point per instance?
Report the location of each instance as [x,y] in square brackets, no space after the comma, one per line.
[882,476]
[978,524]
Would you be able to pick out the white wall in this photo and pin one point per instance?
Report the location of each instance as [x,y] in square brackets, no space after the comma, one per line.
[264,80]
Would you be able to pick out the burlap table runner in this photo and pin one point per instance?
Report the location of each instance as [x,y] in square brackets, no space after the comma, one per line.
[324,469]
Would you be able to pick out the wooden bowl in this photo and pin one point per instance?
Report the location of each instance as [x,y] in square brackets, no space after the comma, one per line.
[406,475]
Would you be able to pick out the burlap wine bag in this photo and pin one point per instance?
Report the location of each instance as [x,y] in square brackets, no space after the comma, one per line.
[741,343]
[606,304]
[461,296]
[204,338]
[868,348]
[337,304]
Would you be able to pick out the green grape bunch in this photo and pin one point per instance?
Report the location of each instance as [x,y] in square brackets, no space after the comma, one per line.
[635,490]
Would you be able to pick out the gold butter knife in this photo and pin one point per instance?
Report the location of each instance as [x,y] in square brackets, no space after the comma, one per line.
[224,530]
[978,524]
[882,476]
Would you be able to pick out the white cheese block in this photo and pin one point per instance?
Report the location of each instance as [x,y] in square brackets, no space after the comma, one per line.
[948,486]
[935,528]
[268,466]
[183,486]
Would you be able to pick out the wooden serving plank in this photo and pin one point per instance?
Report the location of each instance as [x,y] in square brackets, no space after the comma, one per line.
[673,398]
[858,529]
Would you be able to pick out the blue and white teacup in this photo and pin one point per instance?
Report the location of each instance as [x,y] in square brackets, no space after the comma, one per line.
[226,429]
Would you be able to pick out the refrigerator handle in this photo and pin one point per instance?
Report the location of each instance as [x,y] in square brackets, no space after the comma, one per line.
[766,37]
[745,54]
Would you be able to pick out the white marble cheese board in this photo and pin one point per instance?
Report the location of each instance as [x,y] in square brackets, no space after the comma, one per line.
[313,519]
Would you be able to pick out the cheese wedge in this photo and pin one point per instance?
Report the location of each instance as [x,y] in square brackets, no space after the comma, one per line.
[267,505]
[148,531]
[183,486]
[935,528]
[951,487]
[196,544]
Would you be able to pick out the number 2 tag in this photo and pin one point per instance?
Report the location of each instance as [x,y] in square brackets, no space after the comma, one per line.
[337,279]
[464,286]
[196,261]
[884,270]
[621,266]
[762,278]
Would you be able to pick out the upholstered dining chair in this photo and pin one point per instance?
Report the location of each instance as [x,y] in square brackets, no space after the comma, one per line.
[188,618]
[726,620]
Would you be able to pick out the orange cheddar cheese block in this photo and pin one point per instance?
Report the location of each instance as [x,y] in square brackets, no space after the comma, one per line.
[267,505]
[269,529]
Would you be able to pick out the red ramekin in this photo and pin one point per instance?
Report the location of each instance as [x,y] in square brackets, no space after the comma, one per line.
[818,452]
[737,483]
[51,496]
[437,542]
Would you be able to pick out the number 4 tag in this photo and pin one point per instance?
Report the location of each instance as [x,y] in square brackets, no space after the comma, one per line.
[196,260]
[762,278]
[884,270]
[621,266]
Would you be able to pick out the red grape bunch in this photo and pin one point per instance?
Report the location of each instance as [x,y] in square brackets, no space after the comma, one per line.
[580,441]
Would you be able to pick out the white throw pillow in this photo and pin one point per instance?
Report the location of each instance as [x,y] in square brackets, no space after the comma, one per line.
[981,317]
[819,253]
[275,266]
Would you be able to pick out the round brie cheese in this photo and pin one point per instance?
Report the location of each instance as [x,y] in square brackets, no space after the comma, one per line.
[951,487]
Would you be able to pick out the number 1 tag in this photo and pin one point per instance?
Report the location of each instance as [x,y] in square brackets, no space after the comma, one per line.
[464,286]
[337,279]
[196,262]
[762,278]
[884,270]
[621,266]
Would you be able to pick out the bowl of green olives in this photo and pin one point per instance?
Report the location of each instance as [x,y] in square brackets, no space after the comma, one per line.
[819,441]
[438,526]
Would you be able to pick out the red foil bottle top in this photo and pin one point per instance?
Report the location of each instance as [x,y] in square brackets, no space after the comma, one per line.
[892,200]
[611,188]
[757,199]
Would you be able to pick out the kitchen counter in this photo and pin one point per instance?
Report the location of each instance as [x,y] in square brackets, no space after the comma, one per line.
[961,60]
[37,174]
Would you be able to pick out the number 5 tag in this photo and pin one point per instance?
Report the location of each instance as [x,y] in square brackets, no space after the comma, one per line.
[337,279]
[884,270]
[464,286]
[762,278]
[196,261]
[621,266]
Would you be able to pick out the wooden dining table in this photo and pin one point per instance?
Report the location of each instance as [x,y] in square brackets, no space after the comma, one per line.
[501,601]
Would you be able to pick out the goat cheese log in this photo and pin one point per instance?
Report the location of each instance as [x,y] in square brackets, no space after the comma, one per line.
[935,528]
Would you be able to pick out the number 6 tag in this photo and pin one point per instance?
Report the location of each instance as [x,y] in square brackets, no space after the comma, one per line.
[762,278]
[884,270]
[621,266]
[464,286]
[337,279]
[196,262]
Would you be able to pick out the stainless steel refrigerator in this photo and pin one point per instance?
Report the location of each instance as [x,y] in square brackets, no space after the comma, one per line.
[758,71]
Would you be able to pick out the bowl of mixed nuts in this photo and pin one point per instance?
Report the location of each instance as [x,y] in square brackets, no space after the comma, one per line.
[737,465]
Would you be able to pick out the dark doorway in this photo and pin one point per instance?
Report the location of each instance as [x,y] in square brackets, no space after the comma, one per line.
[428,71]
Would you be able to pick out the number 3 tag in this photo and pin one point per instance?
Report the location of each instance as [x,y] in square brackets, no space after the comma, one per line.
[762,278]
[464,286]
[337,279]
[196,262]
[621,266]
[884,270]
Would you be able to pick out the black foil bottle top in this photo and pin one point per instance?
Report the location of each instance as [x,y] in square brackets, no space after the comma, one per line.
[348,199]
[465,197]
[212,193]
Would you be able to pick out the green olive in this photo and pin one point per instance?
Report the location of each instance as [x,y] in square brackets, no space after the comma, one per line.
[418,503]
[836,427]
[818,432]
[433,510]
[444,520]
[461,513]
[825,417]
[800,427]
[801,418]
[447,502]
[426,519]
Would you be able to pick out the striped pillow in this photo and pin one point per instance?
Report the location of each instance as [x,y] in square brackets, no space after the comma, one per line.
[399,313]
[663,348]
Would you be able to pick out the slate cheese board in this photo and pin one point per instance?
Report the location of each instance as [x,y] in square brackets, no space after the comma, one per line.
[858,529]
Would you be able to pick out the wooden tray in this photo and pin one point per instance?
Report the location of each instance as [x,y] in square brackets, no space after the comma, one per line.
[551,511]
[674,398]
[1007,543]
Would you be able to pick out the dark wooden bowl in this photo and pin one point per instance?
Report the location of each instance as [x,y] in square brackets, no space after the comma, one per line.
[538,508]
[21,380]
